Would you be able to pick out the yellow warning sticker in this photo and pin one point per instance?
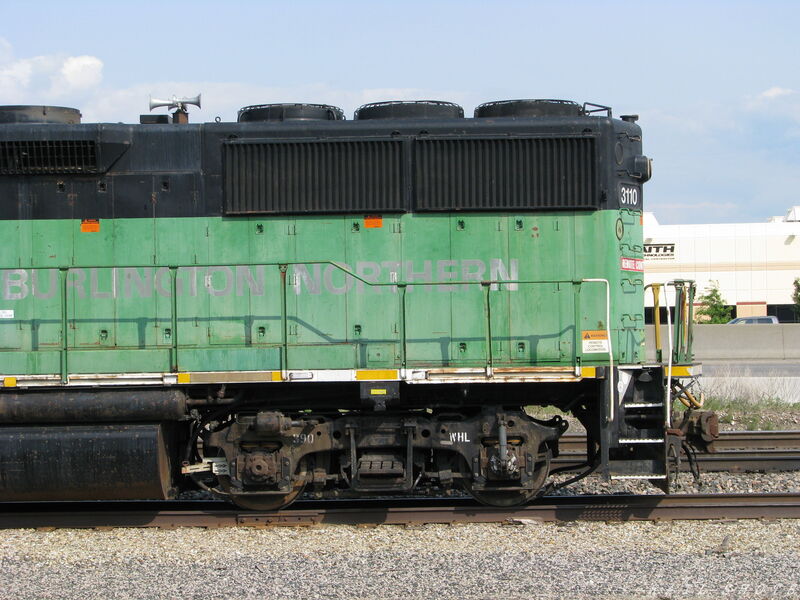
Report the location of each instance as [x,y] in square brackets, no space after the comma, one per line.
[600,334]
[594,341]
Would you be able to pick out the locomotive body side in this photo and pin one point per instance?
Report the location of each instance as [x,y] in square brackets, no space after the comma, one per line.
[429,278]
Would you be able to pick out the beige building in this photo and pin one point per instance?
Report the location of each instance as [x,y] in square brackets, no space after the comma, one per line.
[755,264]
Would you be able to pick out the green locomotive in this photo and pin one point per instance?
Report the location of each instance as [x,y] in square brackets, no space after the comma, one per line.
[298,302]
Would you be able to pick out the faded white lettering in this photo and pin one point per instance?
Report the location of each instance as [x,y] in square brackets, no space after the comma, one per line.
[497,271]
[444,271]
[332,287]
[245,276]
[51,288]
[303,277]
[75,280]
[221,281]
[227,274]
[16,280]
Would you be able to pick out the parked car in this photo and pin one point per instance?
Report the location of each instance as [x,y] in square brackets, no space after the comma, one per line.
[768,320]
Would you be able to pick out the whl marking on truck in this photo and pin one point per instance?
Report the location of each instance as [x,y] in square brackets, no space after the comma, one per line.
[459,436]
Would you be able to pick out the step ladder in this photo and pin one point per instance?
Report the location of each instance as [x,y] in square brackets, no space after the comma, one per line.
[641,448]
[640,444]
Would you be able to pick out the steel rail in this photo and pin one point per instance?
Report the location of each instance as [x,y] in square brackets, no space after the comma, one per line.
[729,461]
[736,452]
[728,440]
[104,515]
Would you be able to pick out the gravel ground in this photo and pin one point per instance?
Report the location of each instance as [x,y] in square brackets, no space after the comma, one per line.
[697,559]
[581,560]
[744,559]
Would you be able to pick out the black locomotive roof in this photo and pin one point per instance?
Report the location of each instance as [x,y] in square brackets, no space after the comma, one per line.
[377,164]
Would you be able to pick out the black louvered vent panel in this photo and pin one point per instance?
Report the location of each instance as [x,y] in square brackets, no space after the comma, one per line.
[44,157]
[327,176]
[505,174]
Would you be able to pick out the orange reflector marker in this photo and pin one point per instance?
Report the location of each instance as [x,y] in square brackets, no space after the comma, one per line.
[9,382]
[184,378]
[90,225]
[589,372]
[373,221]
[276,376]
[372,374]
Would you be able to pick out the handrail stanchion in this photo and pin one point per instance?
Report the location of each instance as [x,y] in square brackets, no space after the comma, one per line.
[686,320]
[62,274]
[487,311]
[678,324]
[690,321]
[403,338]
[576,340]
[284,325]
[173,273]
[668,387]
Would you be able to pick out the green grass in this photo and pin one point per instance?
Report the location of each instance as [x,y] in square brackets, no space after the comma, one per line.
[754,415]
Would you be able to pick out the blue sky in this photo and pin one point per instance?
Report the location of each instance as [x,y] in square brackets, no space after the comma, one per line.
[716,84]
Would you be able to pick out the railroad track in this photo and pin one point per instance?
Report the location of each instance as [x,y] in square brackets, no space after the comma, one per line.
[166,515]
[737,451]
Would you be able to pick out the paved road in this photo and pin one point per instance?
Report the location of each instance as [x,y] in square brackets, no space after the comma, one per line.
[786,368]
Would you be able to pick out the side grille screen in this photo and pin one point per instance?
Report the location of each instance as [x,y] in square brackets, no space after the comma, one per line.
[44,157]
[327,176]
[501,174]
[448,174]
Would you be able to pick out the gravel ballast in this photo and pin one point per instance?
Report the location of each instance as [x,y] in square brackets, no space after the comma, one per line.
[683,559]
[741,559]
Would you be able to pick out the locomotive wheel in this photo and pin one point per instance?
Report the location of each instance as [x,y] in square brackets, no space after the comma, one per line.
[506,498]
[275,501]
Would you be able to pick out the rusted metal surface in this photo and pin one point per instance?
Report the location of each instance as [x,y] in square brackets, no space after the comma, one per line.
[376,512]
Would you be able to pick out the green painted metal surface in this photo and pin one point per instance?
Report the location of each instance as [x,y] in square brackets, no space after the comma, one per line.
[356,295]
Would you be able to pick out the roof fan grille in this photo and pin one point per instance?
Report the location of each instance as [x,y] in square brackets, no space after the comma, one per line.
[410,109]
[529,108]
[290,112]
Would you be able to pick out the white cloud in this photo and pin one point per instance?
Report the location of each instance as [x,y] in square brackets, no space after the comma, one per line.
[78,81]
[46,79]
[775,92]
[776,101]
[79,73]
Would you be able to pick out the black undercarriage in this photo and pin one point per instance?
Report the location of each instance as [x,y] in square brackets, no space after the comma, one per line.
[262,446]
